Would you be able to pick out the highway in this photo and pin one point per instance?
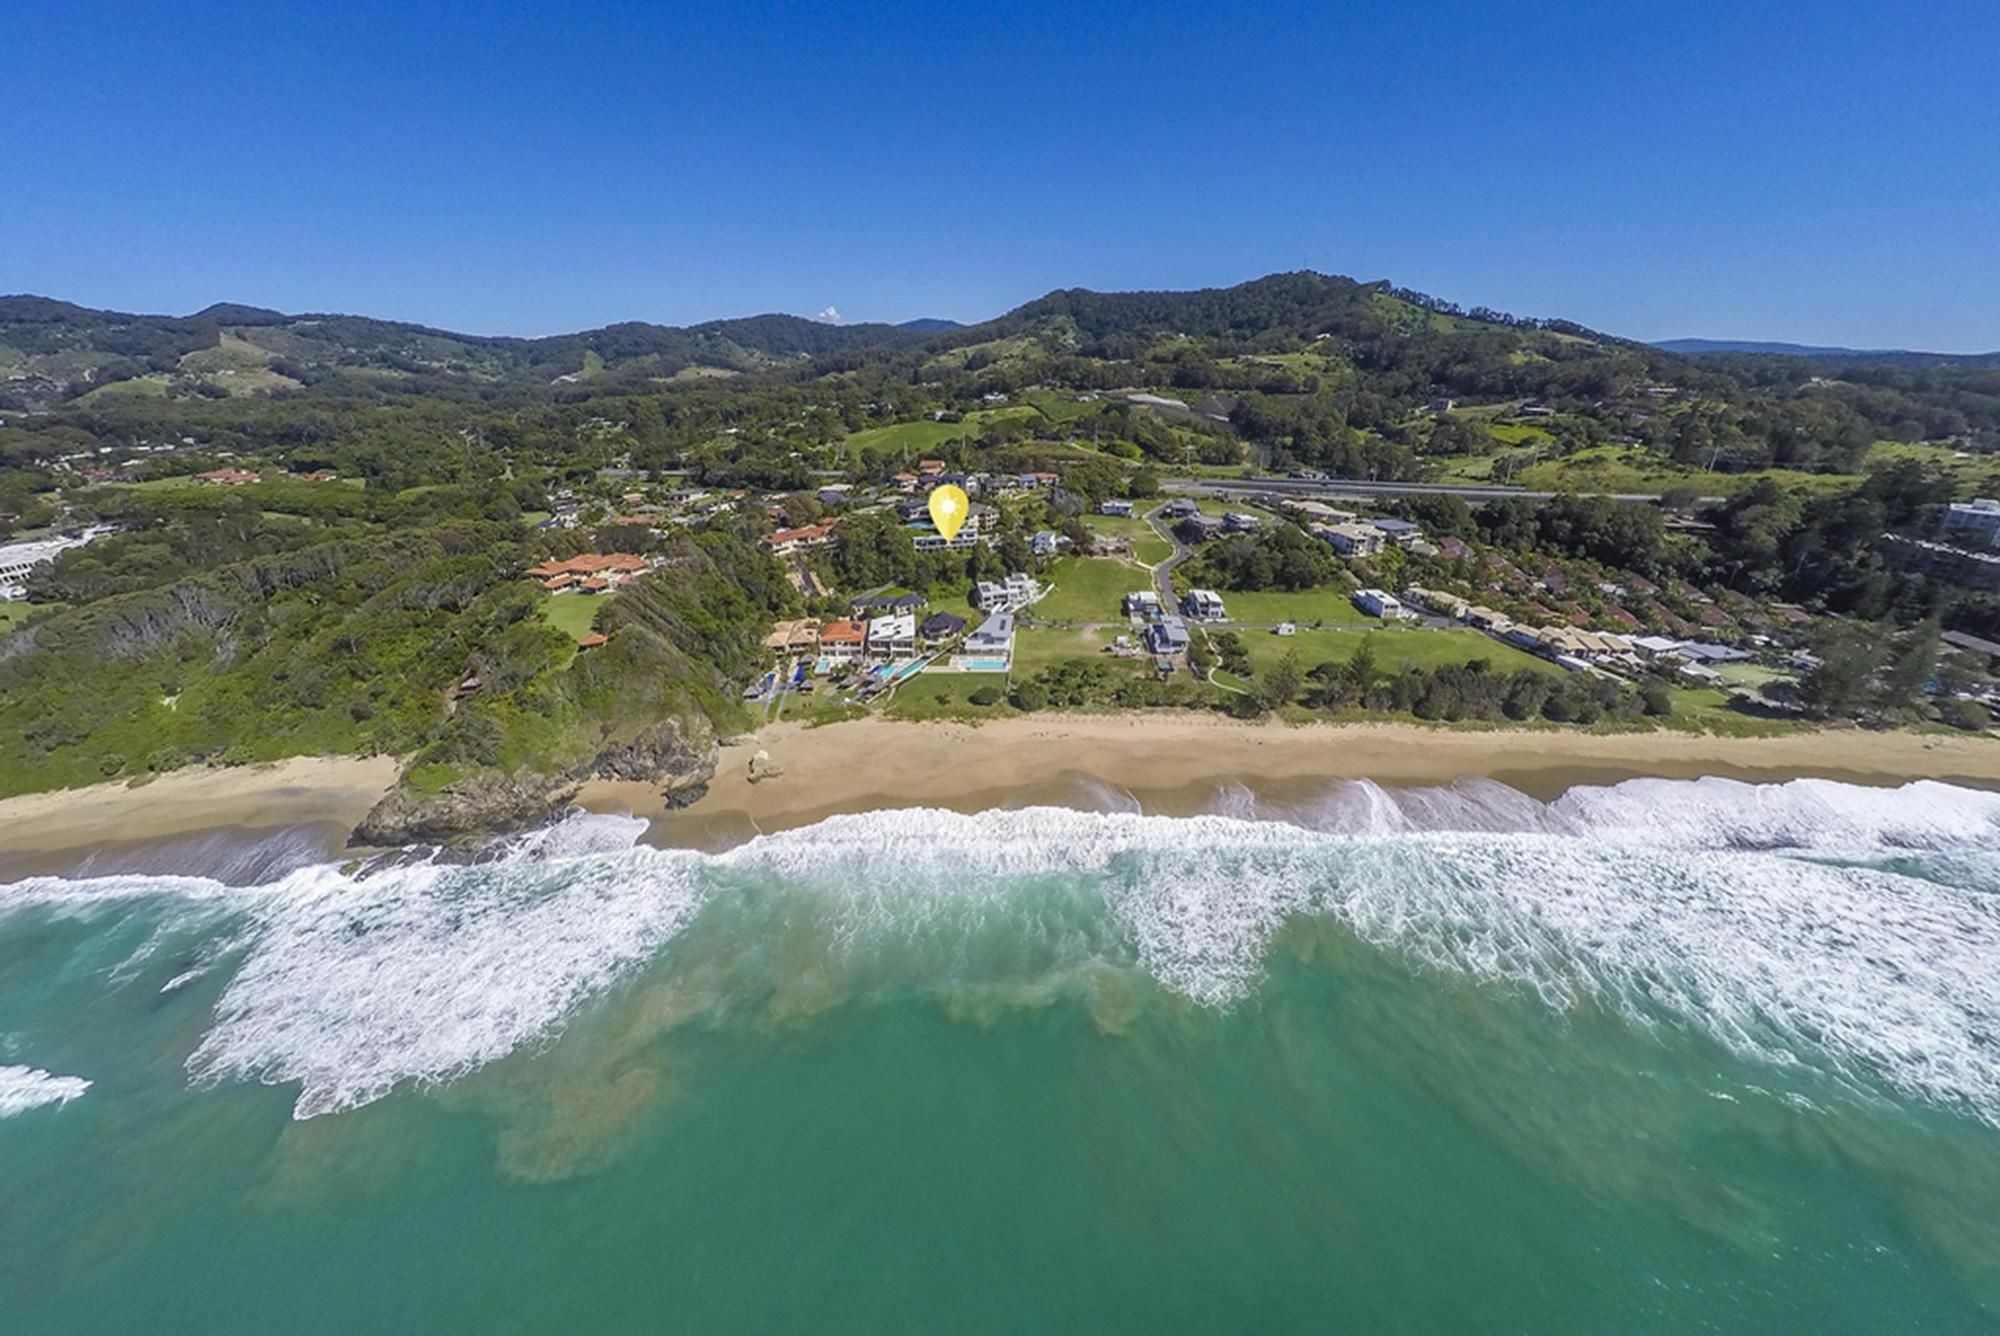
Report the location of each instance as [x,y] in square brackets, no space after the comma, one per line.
[1357,489]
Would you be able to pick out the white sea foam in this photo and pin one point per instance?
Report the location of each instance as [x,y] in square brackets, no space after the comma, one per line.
[1661,900]
[351,987]
[24,1088]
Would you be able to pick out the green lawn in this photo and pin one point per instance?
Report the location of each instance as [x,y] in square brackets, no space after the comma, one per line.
[1394,649]
[1706,710]
[1089,589]
[946,696]
[1329,604]
[923,435]
[572,614]
[1036,647]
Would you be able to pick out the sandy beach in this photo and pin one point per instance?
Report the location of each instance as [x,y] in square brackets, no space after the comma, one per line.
[298,791]
[1172,764]
[1175,764]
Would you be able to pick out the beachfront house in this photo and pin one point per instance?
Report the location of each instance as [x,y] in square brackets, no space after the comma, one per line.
[990,649]
[893,637]
[1436,600]
[1168,636]
[793,637]
[1203,605]
[842,642]
[1380,603]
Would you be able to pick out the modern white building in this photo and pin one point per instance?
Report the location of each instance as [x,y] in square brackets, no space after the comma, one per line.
[1123,509]
[893,637]
[930,540]
[1015,592]
[990,648]
[1143,603]
[1380,603]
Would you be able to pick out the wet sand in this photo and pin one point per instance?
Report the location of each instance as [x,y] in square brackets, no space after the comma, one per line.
[1178,764]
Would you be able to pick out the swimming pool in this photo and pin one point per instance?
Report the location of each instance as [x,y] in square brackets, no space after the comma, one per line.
[980,665]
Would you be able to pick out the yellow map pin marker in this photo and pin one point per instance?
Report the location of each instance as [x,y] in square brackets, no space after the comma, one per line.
[949,509]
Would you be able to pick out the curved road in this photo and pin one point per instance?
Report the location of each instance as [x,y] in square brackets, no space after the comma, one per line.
[1163,574]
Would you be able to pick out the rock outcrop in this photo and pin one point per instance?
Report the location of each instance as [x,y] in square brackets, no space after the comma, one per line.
[678,755]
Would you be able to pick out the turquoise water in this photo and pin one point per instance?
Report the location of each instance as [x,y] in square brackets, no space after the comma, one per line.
[1653,1058]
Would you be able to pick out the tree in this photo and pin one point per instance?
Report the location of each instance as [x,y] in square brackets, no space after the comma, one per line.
[1030,697]
[988,695]
[1912,662]
[1143,486]
[1843,682]
[1361,667]
[1282,681]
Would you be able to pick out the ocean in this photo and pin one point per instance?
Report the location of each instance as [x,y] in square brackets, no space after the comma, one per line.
[1653,1056]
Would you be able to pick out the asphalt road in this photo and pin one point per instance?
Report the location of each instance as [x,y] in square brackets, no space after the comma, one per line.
[1354,488]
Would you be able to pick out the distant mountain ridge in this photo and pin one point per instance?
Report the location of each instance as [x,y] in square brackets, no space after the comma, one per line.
[55,351]
[1766,348]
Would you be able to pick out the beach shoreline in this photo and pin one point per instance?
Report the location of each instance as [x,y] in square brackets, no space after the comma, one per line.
[301,790]
[1176,765]
[1172,765]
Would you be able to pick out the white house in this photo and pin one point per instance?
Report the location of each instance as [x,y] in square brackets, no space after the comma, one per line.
[893,637]
[1237,521]
[991,647]
[1380,603]
[1123,509]
[1143,603]
[1046,543]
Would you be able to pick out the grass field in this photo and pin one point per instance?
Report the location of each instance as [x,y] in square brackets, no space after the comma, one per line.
[1972,475]
[1394,649]
[1706,710]
[946,696]
[1304,607]
[1036,647]
[1147,544]
[1623,468]
[1089,589]
[916,437]
[572,614]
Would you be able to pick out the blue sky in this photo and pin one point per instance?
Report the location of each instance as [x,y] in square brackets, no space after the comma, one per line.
[1822,173]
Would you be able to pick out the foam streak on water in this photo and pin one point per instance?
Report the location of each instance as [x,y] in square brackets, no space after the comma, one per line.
[1854,931]
[24,1088]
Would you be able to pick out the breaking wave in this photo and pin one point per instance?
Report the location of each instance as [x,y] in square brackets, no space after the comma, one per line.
[24,1088]
[1855,931]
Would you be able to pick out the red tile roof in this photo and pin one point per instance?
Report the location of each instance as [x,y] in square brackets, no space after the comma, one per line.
[843,633]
